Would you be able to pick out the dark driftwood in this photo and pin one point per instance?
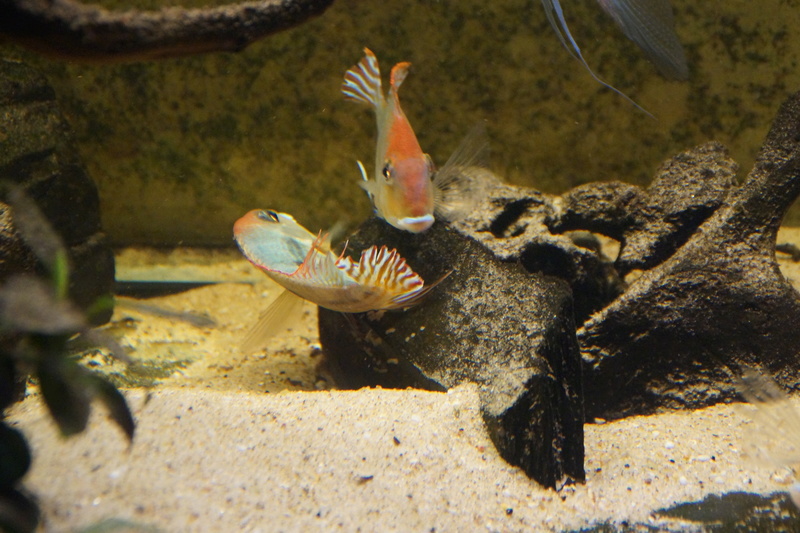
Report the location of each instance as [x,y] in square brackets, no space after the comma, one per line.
[69,29]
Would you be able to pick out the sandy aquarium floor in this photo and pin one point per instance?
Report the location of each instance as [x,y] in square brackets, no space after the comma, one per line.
[227,441]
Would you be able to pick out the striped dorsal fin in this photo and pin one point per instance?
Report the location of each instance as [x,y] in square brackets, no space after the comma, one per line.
[386,269]
[362,83]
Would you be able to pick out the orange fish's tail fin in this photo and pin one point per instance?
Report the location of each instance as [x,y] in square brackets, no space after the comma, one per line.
[362,83]
[399,73]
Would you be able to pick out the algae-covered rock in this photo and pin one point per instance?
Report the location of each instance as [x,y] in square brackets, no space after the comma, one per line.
[181,148]
[680,335]
[652,223]
[488,322]
[38,153]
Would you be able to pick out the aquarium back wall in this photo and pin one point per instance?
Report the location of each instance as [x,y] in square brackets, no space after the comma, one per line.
[180,148]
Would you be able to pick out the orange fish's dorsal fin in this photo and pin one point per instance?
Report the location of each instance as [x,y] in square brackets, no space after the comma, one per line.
[362,83]
[385,269]
[399,73]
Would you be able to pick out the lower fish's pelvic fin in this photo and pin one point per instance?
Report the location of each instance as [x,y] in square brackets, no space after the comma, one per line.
[274,320]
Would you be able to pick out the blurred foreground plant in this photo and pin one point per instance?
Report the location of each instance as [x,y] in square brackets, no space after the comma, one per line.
[36,322]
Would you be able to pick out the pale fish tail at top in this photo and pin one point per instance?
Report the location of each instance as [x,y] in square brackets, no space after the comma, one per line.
[556,18]
[651,25]
[362,83]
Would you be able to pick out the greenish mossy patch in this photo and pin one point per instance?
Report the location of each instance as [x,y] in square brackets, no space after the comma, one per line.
[181,148]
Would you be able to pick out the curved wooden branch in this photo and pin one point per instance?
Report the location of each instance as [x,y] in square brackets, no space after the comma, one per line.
[69,29]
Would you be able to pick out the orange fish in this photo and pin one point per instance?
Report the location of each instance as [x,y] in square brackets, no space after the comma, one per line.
[406,190]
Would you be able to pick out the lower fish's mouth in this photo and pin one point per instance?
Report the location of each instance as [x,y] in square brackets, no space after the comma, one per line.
[415,224]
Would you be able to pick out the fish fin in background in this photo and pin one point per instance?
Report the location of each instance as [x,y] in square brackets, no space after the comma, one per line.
[274,320]
[464,179]
[775,439]
[556,18]
[651,25]
[362,83]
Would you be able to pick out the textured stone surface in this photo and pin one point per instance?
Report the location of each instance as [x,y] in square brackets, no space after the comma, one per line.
[681,331]
[488,322]
[514,224]
[37,152]
[652,223]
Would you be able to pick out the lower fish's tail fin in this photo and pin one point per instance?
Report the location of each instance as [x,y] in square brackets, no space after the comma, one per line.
[362,82]
[410,299]
[465,178]
[277,317]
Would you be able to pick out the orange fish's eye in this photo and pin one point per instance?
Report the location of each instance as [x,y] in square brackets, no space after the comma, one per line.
[269,216]
[387,172]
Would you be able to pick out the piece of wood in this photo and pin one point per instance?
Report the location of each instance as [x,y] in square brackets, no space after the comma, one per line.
[76,31]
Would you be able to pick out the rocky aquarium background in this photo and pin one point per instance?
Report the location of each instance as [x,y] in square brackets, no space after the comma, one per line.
[180,148]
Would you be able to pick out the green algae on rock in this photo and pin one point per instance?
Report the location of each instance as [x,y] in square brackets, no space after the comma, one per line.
[224,133]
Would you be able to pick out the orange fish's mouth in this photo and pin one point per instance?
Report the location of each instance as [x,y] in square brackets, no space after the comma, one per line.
[415,224]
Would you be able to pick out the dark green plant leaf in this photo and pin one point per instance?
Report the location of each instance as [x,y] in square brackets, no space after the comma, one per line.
[28,304]
[18,512]
[36,230]
[65,393]
[116,404]
[15,457]
[60,275]
[12,381]
[102,305]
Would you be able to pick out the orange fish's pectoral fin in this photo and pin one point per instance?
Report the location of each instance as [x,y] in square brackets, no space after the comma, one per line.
[367,184]
[465,178]
[362,82]
[274,320]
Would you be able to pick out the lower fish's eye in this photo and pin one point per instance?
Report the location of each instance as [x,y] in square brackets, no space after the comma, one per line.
[268,216]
